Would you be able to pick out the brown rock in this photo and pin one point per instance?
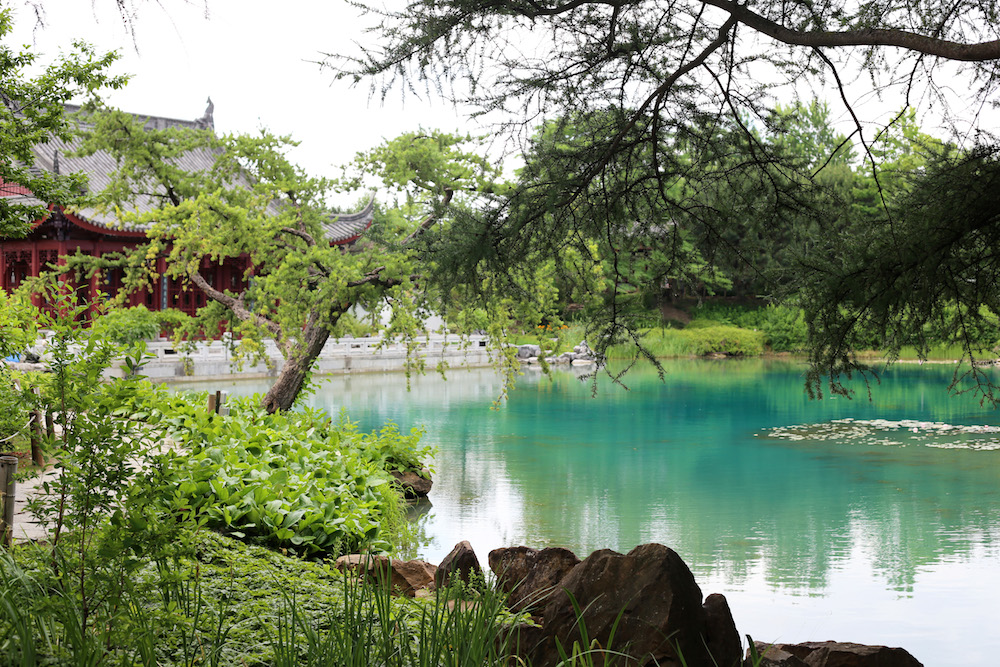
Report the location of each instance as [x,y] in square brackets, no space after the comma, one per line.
[520,639]
[647,599]
[460,562]
[721,635]
[415,485]
[841,654]
[772,656]
[529,576]
[403,577]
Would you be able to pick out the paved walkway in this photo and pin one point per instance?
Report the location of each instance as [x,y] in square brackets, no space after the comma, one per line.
[25,526]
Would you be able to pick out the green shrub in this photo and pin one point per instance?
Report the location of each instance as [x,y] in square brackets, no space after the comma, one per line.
[127,325]
[705,323]
[13,415]
[697,341]
[784,327]
[982,329]
[720,313]
[18,323]
[732,341]
[296,480]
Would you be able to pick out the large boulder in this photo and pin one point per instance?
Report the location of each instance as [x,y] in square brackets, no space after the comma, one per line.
[529,576]
[404,577]
[460,562]
[832,654]
[645,605]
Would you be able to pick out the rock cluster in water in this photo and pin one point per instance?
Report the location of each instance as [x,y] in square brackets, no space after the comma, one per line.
[641,608]
[580,356]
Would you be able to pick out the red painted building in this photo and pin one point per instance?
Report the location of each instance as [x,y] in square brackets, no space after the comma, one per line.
[92,232]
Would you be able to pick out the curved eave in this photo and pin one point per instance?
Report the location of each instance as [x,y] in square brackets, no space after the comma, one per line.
[349,227]
[352,239]
[85,224]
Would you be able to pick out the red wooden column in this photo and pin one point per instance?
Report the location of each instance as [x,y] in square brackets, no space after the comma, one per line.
[160,289]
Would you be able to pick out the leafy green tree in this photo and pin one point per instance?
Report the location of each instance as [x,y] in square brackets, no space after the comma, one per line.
[900,149]
[773,248]
[254,203]
[32,112]
[930,261]
[805,131]
[682,89]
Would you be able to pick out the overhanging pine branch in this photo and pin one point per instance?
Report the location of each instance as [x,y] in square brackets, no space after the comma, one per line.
[903,39]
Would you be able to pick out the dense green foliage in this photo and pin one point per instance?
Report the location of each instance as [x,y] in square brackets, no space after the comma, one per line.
[784,327]
[129,575]
[127,326]
[710,338]
[659,129]
[295,480]
[215,601]
[926,270]
[18,328]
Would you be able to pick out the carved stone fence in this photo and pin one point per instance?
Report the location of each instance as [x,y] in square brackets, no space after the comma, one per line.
[215,358]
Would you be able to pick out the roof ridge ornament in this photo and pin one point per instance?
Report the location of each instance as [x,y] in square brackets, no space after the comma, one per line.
[208,121]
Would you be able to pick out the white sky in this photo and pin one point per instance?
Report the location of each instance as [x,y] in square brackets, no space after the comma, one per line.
[255,58]
[258,61]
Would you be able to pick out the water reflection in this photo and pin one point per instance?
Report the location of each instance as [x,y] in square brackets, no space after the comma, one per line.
[691,463]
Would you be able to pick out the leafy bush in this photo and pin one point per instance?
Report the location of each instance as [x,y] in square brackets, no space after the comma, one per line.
[982,329]
[723,340]
[18,323]
[697,341]
[720,313]
[296,479]
[13,412]
[784,327]
[127,325]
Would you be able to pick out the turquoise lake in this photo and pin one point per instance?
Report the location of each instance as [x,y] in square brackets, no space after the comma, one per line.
[875,522]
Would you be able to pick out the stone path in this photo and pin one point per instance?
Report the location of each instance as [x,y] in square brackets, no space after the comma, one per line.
[25,526]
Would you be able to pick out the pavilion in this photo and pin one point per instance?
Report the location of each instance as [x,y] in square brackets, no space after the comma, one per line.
[93,232]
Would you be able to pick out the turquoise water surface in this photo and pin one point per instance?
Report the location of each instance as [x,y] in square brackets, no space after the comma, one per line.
[874,522]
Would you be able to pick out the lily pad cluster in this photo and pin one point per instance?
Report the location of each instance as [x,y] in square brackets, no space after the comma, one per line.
[894,433]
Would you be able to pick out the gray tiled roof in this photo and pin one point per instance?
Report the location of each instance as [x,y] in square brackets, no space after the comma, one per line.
[349,226]
[56,154]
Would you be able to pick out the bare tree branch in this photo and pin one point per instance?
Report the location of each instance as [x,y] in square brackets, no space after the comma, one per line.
[903,39]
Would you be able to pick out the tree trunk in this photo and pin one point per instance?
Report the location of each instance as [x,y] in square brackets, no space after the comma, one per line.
[293,374]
